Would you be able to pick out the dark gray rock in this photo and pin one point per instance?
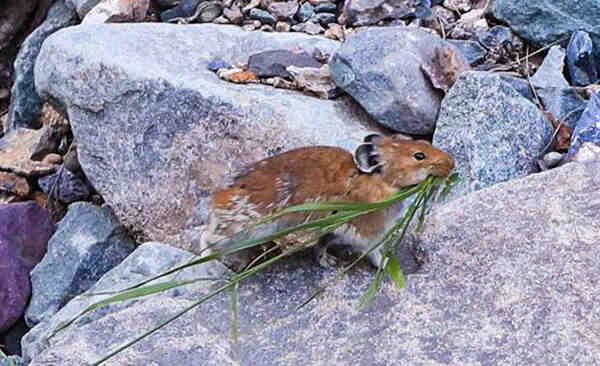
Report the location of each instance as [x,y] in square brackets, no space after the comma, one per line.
[505,273]
[25,104]
[550,73]
[361,12]
[324,18]
[305,12]
[65,186]
[263,16]
[11,338]
[495,37]
[494,133]
[88,242]
[326,7]
[587,129]
[544,22]
[274,63]
[24,234]
[184,11]
[381,69]
[472,50]
[155,164]
[565,104]
[580,59]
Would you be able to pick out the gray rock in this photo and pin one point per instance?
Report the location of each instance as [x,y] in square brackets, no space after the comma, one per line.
[472,50]
[520,85]
[82,7]
[274,63]
[550,73]
[25,104]
[16,149]
[305,12]
[324,18]
[544,22]
[495,37]
[88,242]
[587,128]
[492,131]
[65,186]
[381,69]
[309,28]
[49,142]
[367,12]
[147,260]
[506,271]
[326,7]
[552,159]
[283,10]
[155,141]
[582,68]
[24,233]
[16,361]
[262,16]
[565,104]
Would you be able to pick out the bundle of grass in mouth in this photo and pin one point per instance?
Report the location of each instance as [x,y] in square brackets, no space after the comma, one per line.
[298,197]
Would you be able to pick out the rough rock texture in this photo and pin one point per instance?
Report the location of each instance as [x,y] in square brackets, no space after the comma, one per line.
[493,132]
[110,11]
[157,134]
[565,104]
[65,186]
[13,187]
[587,128]
[16,149]
[547,21]
[381,69]
[82,7]
[366,12]
[26,105]
[88,243]
[580,59]
[24,234]
[550,73]
[510,280]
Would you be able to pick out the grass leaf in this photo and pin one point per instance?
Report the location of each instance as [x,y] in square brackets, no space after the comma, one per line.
[394,270]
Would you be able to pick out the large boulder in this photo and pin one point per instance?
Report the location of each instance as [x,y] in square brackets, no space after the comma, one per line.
[156,135]
[494,133]
[544,22]
[382,69]
[509,274]
[88,243]
[24,233]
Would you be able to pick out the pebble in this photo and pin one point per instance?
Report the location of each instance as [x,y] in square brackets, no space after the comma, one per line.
[262,16]
[217,64]
[305,12]
[282,26]
[326,8]
[580,59]
[324,18]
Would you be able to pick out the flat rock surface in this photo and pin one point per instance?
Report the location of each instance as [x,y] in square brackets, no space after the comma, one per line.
[511,279]
[16,148]
[157,134]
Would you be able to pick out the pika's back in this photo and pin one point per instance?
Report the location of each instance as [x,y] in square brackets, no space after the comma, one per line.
[307,174]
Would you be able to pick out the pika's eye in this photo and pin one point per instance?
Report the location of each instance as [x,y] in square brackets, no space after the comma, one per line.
[419,155]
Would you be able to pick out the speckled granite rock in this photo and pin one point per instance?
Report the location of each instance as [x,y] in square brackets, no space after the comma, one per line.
[493,132]
[510,280]
[157,134]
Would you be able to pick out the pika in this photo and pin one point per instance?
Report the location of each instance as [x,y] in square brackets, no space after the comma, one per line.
[378,169]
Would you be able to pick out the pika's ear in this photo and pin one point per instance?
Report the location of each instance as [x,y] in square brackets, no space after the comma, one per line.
[366,158]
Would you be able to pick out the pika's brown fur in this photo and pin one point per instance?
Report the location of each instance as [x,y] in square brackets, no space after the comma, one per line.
[378,169]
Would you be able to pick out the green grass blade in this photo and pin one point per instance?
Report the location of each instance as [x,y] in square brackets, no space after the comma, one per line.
[394,270]
[235,330]
[373,289]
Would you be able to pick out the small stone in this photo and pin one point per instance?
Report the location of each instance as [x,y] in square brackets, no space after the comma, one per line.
[580,59]
[52,159]
[324,18]
[495,38]
[283,10]
[472,16]
[458,5]
[308,27]
[48,142]
[336,32]
[274,63]
[13,187]
[208,11]
[326,7]
[316,81]
[4,93]
[262,16]
[446,66]
[282,26]
[117,11]
[552,159]
[305,12]
[441,18]
[15,151]
[185,11]
[217,64]
[266,28]
[234,14]
[221,20]
[587,129]
[64,186]
[238,76]
[587,152]
[281,83]
[251,25]
[472,50]
[251,5]
[550,73]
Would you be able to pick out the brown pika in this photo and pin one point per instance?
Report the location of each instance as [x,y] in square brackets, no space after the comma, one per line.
[378,168]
